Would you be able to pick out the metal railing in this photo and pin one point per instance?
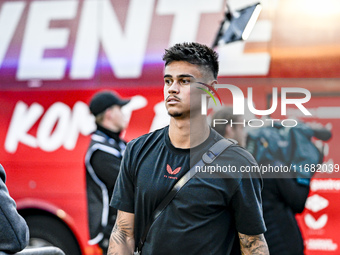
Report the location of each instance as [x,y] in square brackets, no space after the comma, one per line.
[39,251]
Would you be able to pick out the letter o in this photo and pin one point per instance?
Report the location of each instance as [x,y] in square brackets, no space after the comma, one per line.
[53,127]
[295,122]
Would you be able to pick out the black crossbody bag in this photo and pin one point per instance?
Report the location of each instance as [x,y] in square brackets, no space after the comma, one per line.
[207,158]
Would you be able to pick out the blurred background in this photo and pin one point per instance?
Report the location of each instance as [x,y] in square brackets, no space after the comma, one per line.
[54,55]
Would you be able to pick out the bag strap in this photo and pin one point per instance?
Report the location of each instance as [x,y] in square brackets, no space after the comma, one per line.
[207,158]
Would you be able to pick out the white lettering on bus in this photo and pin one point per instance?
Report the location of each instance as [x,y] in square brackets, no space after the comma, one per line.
[125,49]
[38,37]
[124,45]
[186,16]
[58,126]
[10,14]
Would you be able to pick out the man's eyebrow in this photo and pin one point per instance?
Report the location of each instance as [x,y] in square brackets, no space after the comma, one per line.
[179,76]
[185,76]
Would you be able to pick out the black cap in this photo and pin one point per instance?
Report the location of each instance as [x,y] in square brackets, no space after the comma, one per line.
[103,100]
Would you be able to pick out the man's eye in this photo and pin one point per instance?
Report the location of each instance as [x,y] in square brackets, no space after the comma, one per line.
[185,81]
[167,82]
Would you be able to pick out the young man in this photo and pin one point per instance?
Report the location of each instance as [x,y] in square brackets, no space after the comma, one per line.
[208,215]
[102,162]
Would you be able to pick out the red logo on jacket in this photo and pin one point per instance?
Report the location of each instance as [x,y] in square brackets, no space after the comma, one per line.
[172,172]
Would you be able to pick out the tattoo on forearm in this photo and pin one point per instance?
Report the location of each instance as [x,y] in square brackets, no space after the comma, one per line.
[255,245]
[120,231]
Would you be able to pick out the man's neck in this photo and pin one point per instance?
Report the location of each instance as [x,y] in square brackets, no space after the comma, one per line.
[109,133]
[188,133]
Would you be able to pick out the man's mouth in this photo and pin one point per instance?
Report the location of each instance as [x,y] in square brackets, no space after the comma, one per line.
[172,99]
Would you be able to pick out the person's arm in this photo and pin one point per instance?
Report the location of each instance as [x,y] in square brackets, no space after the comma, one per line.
[106,166]
[122,240]
[253,244]
[14,231]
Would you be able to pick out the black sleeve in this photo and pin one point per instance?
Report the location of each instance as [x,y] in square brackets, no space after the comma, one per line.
[14,231]
[292,193]
[106,167]
[246,200]
[124,191]
[247,206]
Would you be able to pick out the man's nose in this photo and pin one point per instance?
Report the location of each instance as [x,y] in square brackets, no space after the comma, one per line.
[174,88]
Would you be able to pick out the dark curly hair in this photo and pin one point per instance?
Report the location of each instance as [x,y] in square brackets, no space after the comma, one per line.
[193,53]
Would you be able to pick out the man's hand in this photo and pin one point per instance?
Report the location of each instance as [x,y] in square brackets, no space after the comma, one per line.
[253,244]
[122,240]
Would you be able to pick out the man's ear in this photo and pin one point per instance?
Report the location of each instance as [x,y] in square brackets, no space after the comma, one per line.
[107,113]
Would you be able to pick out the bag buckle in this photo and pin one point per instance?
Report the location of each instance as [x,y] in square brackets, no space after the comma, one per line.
[208,157]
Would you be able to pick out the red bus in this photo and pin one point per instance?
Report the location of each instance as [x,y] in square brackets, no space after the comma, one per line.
[54,55]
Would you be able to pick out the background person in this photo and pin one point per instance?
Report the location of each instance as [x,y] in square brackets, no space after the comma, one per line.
[282,197]
[236,131]
[208,215]
[102,162]
[14,233]
[285,194]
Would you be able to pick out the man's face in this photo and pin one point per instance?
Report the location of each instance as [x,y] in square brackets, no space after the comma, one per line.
[179,78]
[117,118]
